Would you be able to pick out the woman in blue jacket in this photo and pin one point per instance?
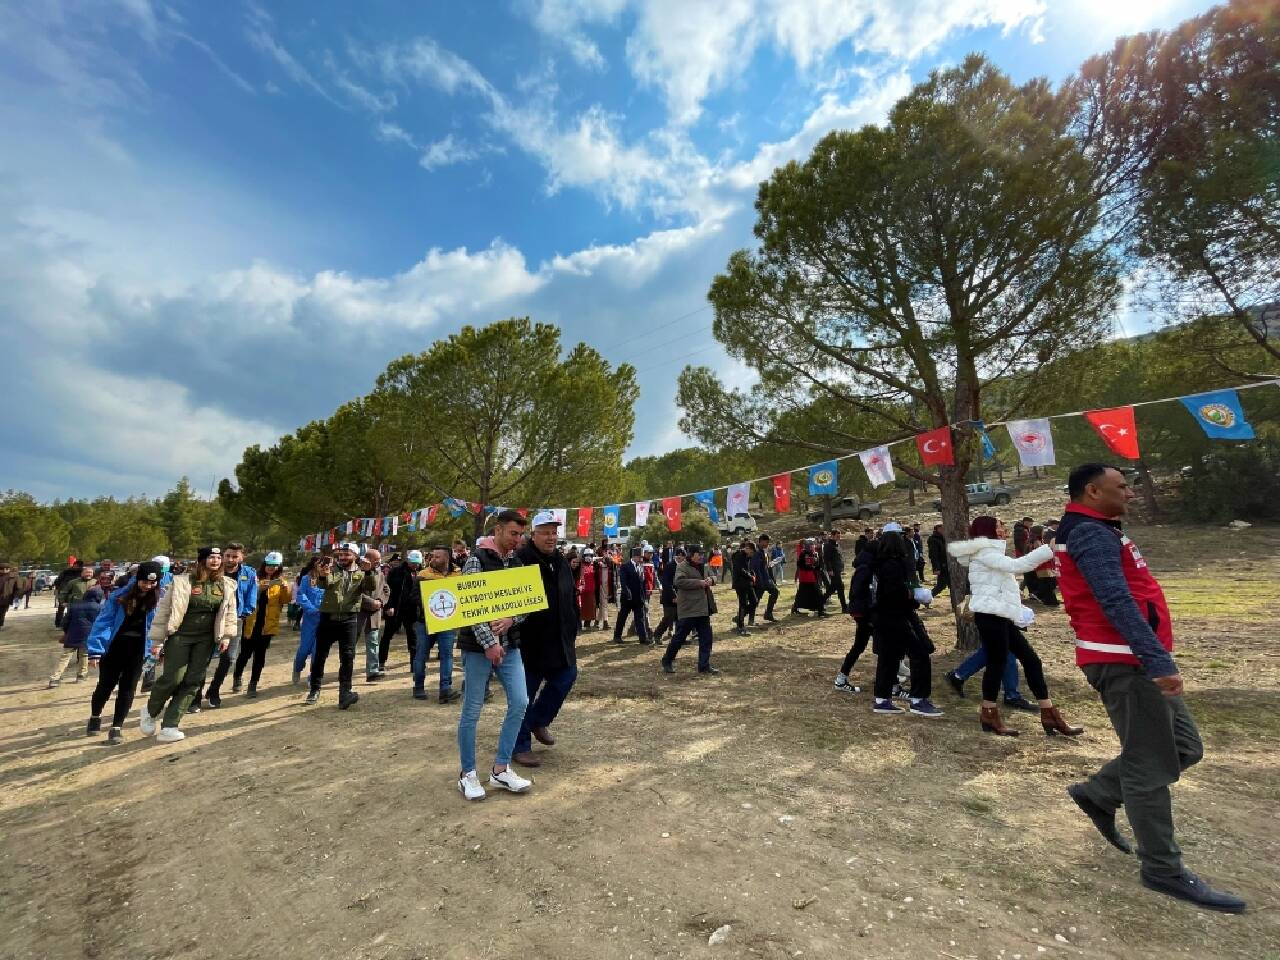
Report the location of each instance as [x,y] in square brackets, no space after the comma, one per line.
[117,645]
[308,598]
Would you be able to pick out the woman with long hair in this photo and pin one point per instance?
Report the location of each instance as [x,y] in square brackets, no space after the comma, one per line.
[196,616]
[274,595]
[998,612]
[117,646]
[308,597]
[896,628]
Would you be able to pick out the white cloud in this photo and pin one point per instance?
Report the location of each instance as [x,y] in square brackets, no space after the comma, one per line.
[394,133]
[632,265]
[423,60]
[563,20]
[444,153]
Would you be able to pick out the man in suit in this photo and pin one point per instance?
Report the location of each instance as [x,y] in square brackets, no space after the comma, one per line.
[633,598]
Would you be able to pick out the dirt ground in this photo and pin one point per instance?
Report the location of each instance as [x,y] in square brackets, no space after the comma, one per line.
[670,806]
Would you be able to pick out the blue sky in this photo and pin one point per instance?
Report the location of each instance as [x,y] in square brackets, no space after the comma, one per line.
[221,220]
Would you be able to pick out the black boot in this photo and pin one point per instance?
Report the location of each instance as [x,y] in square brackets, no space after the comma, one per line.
[347,698]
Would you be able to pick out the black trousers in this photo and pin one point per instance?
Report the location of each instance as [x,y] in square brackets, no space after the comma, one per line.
[254,648]
[861,637]
[635,605]
[944,581]
[747,601]
[389,627]
[896,636]
[118,671]
[1000,638]
[667,622]
[339,629]
[772,591]
[835,584]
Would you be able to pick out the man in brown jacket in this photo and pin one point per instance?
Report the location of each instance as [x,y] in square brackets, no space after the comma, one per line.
[369,622]
[10,587]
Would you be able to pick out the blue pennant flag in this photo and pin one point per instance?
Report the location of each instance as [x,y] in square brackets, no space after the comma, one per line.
[455,507]
[988,447]
[610,517]
[708,499]
[822,479]
[1220,415]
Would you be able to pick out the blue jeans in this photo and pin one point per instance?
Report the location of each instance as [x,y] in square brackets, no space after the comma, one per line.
[476,670]
[978,659]
[544,704]
[703,627]
[306,641]
[422,650]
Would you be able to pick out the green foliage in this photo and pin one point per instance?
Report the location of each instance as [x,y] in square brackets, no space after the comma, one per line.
[1235,482]
[695,527]
[29,532]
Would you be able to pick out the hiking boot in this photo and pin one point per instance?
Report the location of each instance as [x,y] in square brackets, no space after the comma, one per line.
[1187,886]
[1104,821]
[450,696]
[95,726]
[347,698]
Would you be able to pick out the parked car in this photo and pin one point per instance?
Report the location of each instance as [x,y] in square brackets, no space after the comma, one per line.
[738,524]
[983,493]
[846,508]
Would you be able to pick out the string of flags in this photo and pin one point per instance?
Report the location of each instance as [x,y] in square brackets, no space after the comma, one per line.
[1218,413]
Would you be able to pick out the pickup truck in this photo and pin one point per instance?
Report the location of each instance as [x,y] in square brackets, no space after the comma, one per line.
[846,508]
[985,493]
[737,525]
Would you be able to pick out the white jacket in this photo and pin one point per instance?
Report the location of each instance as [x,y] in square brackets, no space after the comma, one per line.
[173,607]
[991,574]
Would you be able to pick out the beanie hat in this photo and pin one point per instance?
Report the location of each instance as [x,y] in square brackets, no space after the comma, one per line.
[983,526]
[149,572]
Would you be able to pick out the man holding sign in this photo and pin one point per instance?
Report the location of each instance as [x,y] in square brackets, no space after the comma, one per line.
[489,647]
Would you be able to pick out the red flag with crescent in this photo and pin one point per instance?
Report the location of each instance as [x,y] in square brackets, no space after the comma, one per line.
[432,511]
[935,447]
[584,522]
[671,509]
[1117,429]
[782,493]
[523,511]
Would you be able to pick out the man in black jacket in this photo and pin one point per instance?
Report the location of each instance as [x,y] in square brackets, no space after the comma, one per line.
[938,559]
[833,563]
[633,598]
[762,567]
[548,640]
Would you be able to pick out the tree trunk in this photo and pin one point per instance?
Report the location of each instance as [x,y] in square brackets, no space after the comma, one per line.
[911,494]
[1148,491]
[826,512]
[955,524]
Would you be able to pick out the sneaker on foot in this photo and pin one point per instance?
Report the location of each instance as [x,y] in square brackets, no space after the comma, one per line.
[925,708]
[313,696]
[508,779]
[170,735]
[214,698]
[94,726]
[347,698]
[146,722]
[886,706]
[668,667]
[469,786]
[195,707]
[709,671]
[844,686]
[115,735]
[252,691]
[235,686]
[957,684]
[53,683]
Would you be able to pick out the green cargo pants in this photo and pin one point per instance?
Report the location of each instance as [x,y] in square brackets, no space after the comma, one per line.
[185,661]
[1158,740]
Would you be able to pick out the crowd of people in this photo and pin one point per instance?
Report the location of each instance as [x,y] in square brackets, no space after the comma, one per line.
[219,608]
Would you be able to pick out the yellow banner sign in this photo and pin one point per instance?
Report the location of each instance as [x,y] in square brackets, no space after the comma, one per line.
[474,598]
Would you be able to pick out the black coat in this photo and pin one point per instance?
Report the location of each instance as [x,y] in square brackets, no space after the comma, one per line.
[832,558]
[548,638]
[406,596]
[631,581]
[937,552]
[740,567]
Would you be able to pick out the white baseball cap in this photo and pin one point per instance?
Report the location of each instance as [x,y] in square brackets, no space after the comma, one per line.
[273,559]
[543,517]
[414,556]
[893,526]
[162,560]
[348,545]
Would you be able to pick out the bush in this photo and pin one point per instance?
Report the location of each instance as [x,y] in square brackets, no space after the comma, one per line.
[1238,482]
[694,528]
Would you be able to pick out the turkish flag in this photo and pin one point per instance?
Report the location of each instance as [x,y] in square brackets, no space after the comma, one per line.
[1117,429]
[432,511]
[935,447]
[406,517]
[584,522]
[671,509]
[782,493]
[475,507]
[523,511]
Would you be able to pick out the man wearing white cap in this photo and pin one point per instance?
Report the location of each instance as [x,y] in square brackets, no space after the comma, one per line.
[344,585]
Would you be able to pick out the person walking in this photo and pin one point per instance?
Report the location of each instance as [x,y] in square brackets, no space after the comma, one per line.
[744,585]
[762,568]
[344,585]
[548,640]
[695,603]
[117,646]
[73,588]
[493,649]
[60,583]
[808,595]
[633,599]
[401,570]
[667,593]
[308,597]
[274,595]
[833,564]
[196,616]
[10,589]
[1124,646]
[937,550]
[999,615]
[410,605]
[587,589]
[369,619]
[77,622]
[896,628]
[861,603]
[778,558]
[246,580]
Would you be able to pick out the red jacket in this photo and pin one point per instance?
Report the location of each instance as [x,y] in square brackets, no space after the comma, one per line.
[1097,639]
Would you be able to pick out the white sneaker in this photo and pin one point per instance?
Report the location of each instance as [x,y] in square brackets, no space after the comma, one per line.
[170,735]
[508,779]
[469,786]
[147,723]
[847,687]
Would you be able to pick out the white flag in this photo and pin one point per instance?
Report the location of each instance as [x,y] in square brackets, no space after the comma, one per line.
[878,464]
[560,514]
[642,513]
[739,499]
[1034,441]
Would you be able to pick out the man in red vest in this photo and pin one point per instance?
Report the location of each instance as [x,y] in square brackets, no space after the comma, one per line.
[1124,645]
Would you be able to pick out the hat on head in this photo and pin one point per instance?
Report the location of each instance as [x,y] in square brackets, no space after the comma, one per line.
[149,572]
[414,556]
[162,560]
[544,517]
[588,553]
[349,545]
[893,526]
[274,559]
[204,553]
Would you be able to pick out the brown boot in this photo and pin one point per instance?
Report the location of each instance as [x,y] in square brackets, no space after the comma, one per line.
[991,722]
[543,735]
[1053,723]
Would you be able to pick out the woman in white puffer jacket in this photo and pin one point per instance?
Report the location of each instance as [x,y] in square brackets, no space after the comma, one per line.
[996,603]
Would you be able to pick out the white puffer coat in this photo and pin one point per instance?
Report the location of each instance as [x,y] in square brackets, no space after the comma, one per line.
[991,574]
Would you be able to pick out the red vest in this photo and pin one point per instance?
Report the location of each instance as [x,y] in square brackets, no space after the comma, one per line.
[1097,641]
